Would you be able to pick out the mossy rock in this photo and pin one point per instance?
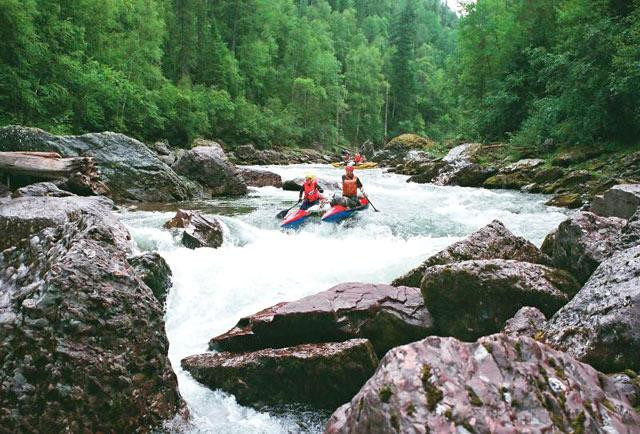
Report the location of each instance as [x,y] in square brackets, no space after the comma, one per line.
[410,141]
[567,200]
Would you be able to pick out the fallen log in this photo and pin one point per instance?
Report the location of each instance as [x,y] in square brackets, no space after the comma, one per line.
[81,173]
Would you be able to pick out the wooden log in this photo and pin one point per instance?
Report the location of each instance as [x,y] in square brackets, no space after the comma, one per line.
[37,154]
[42,167]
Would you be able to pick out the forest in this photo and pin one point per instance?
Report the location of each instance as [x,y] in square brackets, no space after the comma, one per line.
[328,72]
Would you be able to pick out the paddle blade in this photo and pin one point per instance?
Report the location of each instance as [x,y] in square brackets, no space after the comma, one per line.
[282,213]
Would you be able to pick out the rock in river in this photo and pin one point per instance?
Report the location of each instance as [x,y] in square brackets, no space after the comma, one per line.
[385,315]
[260,178]
[154,271]
[493,241]
[496,385]
[474,298]
[601,324]
[83,342]
[323,375]
[207,164]
[129,168]
[199,231]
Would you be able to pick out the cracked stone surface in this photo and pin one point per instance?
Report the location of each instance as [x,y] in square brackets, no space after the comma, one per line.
[386,315]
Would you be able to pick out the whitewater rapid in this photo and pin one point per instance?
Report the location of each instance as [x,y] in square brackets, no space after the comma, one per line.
[260,265]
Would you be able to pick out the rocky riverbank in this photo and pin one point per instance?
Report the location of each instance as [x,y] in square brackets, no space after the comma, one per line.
[575,177]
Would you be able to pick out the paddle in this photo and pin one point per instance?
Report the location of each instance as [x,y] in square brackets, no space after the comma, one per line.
[284,212]
[369,200]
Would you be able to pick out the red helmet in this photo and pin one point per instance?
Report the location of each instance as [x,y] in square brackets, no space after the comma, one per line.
[349,168]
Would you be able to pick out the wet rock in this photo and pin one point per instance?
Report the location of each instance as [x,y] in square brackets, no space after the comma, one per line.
[582,242]
[385,315]
[129,168]
[207,164]
[42,189]
[24,217]
[528,321]
[83,342]
[601,324]
[498,384]
[566,200]
[493,241]
[260,178]
[199,231]
[154,271]
[425,172]
[296,184]
[619,201]
[461,167]
[322,375]
[515,175]
[475,298]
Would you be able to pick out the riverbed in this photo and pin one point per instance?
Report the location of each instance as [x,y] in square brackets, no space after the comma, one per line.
[260,265]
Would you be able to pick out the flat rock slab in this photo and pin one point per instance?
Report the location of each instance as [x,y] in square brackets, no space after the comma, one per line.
[582,242]
[388,316]
[323,375]
[493,241]
[475,298]
[619,201]
[23,217]
[496,385]
[601,324]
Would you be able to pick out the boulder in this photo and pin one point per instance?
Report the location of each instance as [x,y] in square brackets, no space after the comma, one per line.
[154,272]
[260,178]
[129,168]
[410,141]
[628,383]
[385,315]
[162,148]
[208,165]
[570,158]
[493,241]
[528,321]
[83,341]
[22,217]
[619,201]
[322,375]
[199,231]
[601,324]
[527,164]
[582,242]
[576,180]
[475,298]
[42,189]
[566,200]
[462,168]
[499,384]
[424,172]
[516,175]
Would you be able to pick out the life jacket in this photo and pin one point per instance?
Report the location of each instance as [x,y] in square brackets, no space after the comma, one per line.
[311,192]
[350,186]
[357,158]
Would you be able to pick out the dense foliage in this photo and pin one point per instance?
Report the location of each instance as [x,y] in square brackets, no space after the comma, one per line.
[268,71]
[567,70]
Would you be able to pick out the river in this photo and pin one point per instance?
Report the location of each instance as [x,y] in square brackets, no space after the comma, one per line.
[260,265]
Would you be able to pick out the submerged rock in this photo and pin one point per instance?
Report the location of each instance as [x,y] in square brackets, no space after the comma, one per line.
[260,178]
[601,324]
[619,201]
[385,315]
[493,241]
[528,321]
[199,231]
[154,271]
[129,168]
[83,342]
[475,298]
[498,384]
[208,165]
[582,242]
[322,375]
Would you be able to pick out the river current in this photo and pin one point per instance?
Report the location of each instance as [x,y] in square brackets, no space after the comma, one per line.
[260,265]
